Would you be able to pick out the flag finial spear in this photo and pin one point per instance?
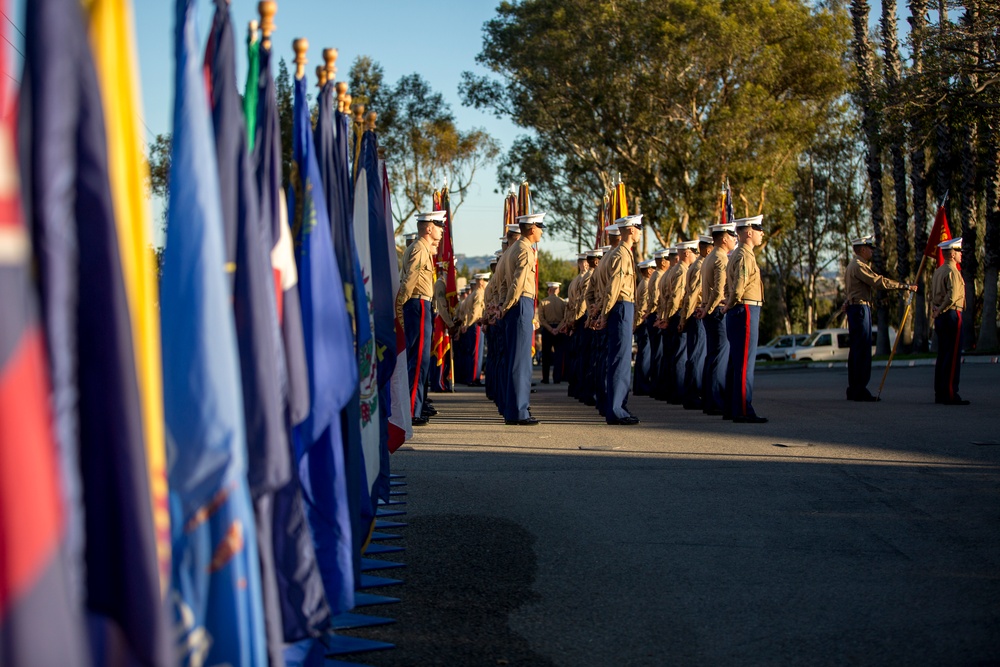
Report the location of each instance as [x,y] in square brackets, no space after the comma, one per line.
[320,76]
[359,113]
[330,60]
[370,119]
[347,102]
[300,46]
[267,10]
[252,29]
[341,94]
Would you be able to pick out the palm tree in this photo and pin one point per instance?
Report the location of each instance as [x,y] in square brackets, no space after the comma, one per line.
[991,241]
[864,61]
[918,171]
[970,263]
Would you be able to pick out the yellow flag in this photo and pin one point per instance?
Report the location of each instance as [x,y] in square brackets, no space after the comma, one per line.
[113,45]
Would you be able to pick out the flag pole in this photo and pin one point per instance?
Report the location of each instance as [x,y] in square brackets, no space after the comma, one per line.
[899,331]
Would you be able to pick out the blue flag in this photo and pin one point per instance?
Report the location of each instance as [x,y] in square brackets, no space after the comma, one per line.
[384,302]
[332,155]
[88,330]
[216,573]
[304,611]
[255,310]
[332,369]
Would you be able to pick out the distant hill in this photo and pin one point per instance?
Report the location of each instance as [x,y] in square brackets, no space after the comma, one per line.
[478,264]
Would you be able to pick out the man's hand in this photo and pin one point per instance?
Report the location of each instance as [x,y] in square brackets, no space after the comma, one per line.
[600,323]
[912,288]
[699,313]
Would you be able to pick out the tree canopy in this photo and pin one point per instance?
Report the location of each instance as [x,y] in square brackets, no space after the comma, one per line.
[671,94]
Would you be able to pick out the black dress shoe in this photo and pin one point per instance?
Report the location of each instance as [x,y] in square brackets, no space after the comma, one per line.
[750,419]
[420,421]
[692,406]
[624,421]
[429,411]
[530,421]
[545,381]
[866,398]
[713,413]
[727,417]
[958,400]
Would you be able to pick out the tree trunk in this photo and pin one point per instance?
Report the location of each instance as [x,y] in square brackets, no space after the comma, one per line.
[864,60]
[991,240]
[970,263]
[918,177]
[897,147]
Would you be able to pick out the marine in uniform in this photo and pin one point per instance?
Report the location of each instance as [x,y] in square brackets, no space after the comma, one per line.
[551,311]
[661,266]
[711,314]
[489,321]
[583,388]
[948,307]
[674,347]
[616,304]
[517,308]
[640,377]
[694,330]
[596,349]
[567,325]
[744,298]
[441,368]
[860,283]
[413,306]
[470,334]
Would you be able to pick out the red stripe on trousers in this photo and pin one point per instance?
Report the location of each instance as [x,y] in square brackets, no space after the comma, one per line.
[420,356]
[954,357]
[746,361]
[475,356]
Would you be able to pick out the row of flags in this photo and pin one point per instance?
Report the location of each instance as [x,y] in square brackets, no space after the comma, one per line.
[190,465]
[613,207]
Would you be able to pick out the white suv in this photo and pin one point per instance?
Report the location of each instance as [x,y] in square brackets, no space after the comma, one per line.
[830,345]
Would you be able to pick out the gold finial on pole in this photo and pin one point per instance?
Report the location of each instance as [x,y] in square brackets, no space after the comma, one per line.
[381,152]
[267,10]
[330,58]
[341,95]
[320,76]
[252,31]
[370,119]
[300,46]
[347,102]
[359,113]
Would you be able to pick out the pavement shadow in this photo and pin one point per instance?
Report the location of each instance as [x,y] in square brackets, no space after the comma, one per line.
[464,576]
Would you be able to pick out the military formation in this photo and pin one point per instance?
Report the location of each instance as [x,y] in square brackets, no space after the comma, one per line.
[680,327]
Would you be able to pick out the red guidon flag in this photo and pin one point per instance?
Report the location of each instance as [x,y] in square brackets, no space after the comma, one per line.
[939,232]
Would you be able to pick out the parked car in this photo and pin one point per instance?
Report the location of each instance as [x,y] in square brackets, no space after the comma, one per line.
[831,345]
[780,347]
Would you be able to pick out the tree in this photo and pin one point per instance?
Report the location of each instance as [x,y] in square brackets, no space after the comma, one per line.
[424,146]
[671,94]
[918,171]
[553,269]
[286,114]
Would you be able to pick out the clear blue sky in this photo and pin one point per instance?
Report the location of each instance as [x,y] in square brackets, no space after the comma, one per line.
[439,40]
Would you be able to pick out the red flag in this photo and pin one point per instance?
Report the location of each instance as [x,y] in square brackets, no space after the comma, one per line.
[940,232]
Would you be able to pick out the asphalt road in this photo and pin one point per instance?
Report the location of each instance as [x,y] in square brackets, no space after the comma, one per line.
[839,533]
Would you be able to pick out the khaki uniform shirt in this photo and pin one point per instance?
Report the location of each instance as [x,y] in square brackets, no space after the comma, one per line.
[671,287]
[474,306]
[579,308]
[860,283]
[572,294]
[619,279]
[519,270]
[692,290]
[416,278]
[551,310]
[640,301]
[441,301]
[743,277]
[597,279]
[948,288]
[713,279]
[653,291]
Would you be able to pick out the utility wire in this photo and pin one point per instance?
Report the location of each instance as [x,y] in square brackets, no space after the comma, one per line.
[12,23]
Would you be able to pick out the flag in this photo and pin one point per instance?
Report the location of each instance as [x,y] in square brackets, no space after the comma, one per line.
[331,363]
[216,581]
[332,148]
[368,375]
[113,46]
[382,253]
[95,376]
[274,213]
[256,316]
[304,610]
[250,89]
[940,232]
[400,427]
[727,214]
[39,622]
